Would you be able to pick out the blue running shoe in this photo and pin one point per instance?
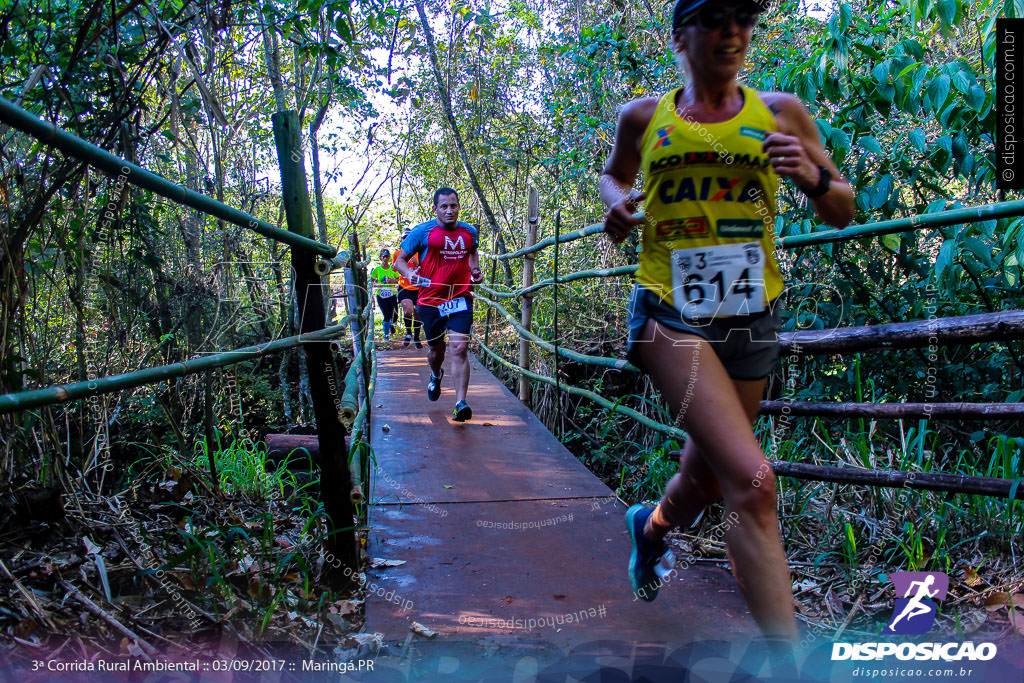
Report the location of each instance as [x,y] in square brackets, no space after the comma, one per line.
[434,386]
[462,411]
[649,561]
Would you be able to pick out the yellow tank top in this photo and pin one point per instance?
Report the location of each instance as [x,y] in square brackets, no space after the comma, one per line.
[708,239]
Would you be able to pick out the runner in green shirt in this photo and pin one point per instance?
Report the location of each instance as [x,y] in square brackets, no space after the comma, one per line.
[386,278]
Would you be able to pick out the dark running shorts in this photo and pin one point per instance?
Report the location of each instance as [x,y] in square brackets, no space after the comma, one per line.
[434,324]
[409,294]
[747,345]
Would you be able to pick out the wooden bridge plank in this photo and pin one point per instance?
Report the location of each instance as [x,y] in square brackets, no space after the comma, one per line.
[495,456]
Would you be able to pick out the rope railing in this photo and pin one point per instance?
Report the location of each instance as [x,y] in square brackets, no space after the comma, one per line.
[968,329]
[562,279]
[365,379]
[358,464]
[970,214]
[926,481]
[73,146]
[35,398]
[614,363]
[668,430]
[327,265]
[950,331]
[591,229]
[340,538]
[897,411]
[893,411]
[998,326]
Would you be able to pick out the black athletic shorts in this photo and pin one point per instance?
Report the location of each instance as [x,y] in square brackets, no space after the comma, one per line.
[747,345]
[410,294]
[435,324]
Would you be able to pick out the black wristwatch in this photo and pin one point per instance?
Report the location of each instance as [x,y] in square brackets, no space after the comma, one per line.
[824,183]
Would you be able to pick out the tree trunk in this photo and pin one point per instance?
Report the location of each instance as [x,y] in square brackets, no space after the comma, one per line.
[898,411]
[964,329]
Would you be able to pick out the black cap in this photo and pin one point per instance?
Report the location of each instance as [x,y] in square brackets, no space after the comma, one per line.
[684,8]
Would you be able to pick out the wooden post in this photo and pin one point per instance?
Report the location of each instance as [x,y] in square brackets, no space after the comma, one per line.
[527,312]
[352,298]
[335,479]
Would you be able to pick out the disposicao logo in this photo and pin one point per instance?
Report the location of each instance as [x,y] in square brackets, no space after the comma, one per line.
[914,614]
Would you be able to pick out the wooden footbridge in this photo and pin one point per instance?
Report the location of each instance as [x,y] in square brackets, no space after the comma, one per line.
[506,538]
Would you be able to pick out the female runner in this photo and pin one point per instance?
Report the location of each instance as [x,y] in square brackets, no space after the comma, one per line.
[703,315]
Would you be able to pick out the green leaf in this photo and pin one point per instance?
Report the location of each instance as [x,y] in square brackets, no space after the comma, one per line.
[840,139]
[962,82]
[881,71]
[907,69]
[871,52]
[824,128]
[947,252]
[845,16]
[976,98]
[959,146]
[882,191]
[869,144]
[939,91]
[914,49]
[947,11]
[917,139]
[980,250]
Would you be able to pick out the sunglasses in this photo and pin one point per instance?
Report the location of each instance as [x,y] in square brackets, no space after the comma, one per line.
[714,17]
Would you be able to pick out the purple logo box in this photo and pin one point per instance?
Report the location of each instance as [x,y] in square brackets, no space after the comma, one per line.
[914,611]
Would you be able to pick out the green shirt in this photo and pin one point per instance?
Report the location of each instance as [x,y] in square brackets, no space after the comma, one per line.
[381,274]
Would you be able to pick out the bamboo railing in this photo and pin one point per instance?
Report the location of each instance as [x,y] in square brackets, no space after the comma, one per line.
[310,260]
[972,329]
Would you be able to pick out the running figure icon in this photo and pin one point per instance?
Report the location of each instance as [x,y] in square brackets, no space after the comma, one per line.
[916,607]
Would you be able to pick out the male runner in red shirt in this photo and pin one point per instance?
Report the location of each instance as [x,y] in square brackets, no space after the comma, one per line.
[449,267]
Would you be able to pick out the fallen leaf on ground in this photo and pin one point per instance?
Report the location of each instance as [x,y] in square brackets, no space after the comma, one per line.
[344,607]
[341,627]
[972,620]
[385,428]
[378,562]
[971,577]
[994,601]
[422,630]
[372,640]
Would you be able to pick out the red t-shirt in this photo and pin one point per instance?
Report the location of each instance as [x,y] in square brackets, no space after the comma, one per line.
[444,258]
